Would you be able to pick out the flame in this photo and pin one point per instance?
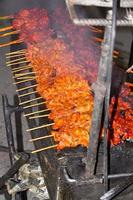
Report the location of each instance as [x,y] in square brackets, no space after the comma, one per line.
[64,58]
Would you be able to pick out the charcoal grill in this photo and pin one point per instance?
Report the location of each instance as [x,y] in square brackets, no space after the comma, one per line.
[67,173]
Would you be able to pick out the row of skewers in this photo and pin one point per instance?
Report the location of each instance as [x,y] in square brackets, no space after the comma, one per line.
[29,57]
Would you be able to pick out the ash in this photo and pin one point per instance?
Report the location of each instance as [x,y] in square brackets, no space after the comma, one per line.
[29,178]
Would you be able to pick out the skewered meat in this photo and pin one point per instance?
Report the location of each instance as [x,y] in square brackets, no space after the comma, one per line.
[64,59]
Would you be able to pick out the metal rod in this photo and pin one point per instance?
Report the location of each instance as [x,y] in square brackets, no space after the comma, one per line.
[99,89]
[7,110]
[107,95]
[113,176]
[118,189]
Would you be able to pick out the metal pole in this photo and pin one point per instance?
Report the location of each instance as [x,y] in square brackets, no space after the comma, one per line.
[107,95]
[9,131]
[99,89]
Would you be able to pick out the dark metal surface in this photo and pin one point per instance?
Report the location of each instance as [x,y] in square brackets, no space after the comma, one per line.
[108,91]
[118,189]
[7,111]
[99,89]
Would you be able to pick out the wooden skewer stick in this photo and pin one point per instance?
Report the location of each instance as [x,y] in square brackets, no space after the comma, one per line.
[41,138]
[25,77]
[98,39]
[16,52]
[29,93]
[8,34]
[130,70]
[23,74]
[29,101]
[116,52]
[33,105]
[10,43]
[12,61]
[129,84]
[26,88]
[30,79]
[97,30]
[6,17]
[38,116]
[36,112]
[44,149]
[6,28]
[17,63]
[39,127]
[14,56]
[21,69]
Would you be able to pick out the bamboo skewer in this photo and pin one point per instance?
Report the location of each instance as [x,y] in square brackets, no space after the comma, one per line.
[98,39]
[39,116]
[39,127]
[25,78]
[23,74]
[26,88]
[6,28]
[18,69]
[33,105]
[36,112]
[29,93]
[17,63]
[44,149]
[30,79]
[6,17]
[129,84]
[12,61]
[29,101]
[116,52]
[41,138]
[16,52]
[97,30]
[14,56]
[130,70]
[8,34]
[10,43]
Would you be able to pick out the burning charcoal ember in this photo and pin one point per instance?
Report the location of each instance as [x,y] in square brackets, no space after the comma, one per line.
[123,119]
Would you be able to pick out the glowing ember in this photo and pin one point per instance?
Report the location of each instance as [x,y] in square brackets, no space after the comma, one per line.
[64,58]
[122,117]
